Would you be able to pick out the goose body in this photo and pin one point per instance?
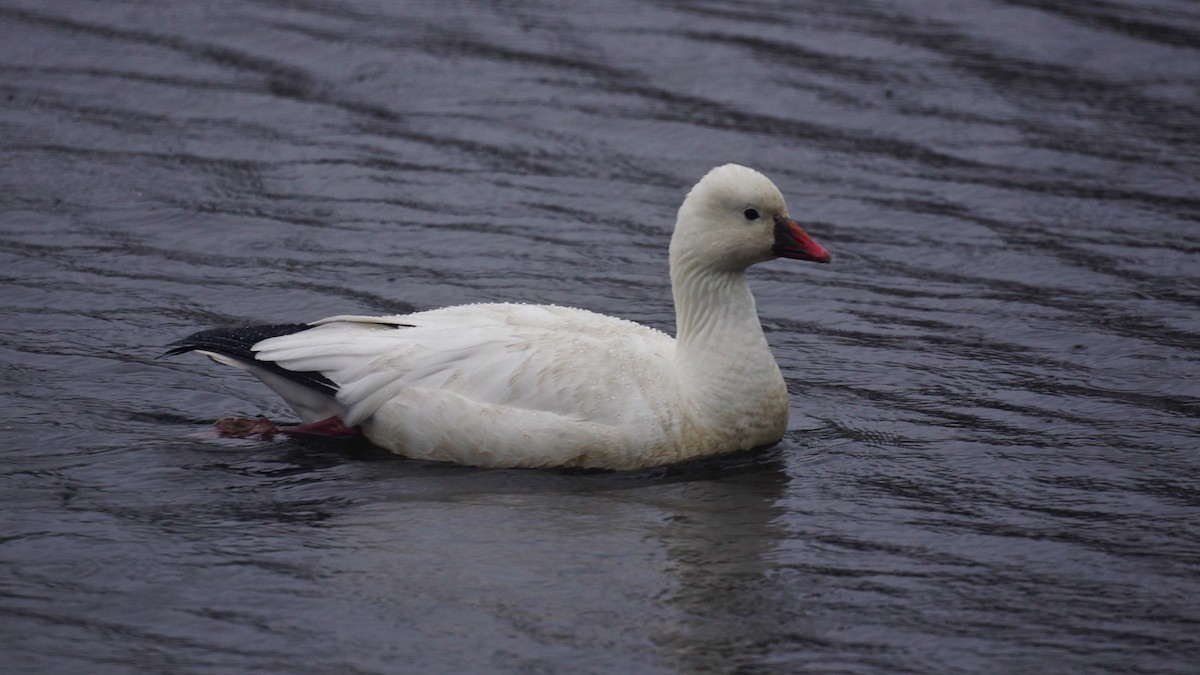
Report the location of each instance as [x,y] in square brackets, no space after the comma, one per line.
[511,385]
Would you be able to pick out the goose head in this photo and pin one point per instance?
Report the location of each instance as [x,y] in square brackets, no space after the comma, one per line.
[736,217]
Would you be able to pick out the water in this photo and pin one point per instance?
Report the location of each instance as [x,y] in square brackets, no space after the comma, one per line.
[993,460]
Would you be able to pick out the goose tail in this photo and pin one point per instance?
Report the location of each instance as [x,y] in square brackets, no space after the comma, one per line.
[311,394]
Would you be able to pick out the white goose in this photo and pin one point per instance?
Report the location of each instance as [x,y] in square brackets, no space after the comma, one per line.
[509,385]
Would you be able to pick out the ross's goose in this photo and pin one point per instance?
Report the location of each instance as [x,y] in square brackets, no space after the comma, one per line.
[511,385]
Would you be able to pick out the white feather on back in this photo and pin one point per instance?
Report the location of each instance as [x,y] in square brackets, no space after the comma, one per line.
[570,362]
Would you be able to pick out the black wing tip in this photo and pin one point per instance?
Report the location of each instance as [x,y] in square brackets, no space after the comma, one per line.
[175,351]
[237,343]
[234,341]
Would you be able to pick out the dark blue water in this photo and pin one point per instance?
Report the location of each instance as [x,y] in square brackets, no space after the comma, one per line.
[993,463]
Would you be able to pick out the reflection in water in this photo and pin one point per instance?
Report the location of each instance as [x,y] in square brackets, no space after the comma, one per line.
[732,611]
[992,459]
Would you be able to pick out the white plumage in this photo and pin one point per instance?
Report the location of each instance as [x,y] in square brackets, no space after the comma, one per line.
[509,385]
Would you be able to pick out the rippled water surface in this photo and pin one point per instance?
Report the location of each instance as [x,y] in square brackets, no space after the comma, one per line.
[992,463]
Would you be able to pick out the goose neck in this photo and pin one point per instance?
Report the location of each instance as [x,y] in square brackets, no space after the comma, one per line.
[714,309]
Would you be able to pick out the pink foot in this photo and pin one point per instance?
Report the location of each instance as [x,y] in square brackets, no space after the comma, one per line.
[245,427]
[332,427]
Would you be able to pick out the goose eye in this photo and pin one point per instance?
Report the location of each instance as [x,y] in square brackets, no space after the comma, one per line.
[751,214]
